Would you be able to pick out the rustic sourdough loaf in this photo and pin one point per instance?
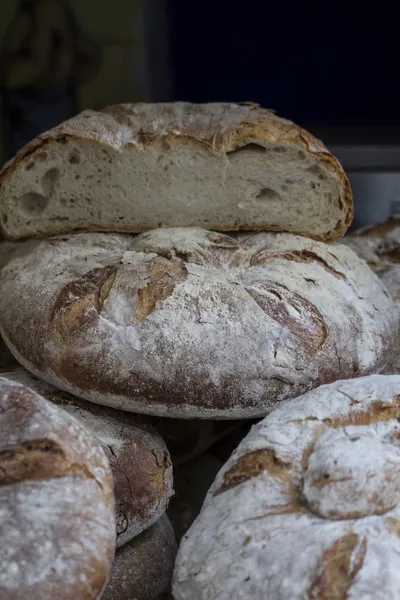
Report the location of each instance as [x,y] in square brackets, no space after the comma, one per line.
[379,245]
[136,167]
[57,521]
[188,323]
[138,457]
[142,569]
[308,506]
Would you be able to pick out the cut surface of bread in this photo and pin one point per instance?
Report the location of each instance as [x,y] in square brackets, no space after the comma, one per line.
[136,167]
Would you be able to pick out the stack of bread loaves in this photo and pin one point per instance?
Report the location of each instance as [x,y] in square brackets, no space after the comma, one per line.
[143,325]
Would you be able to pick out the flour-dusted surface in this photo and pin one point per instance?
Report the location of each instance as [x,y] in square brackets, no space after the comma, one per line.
[190,323]
[57,521]
[142,569]
[138,456]
[136,167]
[379,246]
[308,506]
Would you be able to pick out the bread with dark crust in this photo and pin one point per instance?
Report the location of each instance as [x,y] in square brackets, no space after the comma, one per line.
[190,323]
[142,569]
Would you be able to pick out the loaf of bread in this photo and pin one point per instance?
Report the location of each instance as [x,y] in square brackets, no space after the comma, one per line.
[57,519]
[379,246]
[138,457]
[308,506]
[142,569]
[189,323]
[136,167]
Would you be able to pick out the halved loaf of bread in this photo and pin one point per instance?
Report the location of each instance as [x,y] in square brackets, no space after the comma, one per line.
[136,167]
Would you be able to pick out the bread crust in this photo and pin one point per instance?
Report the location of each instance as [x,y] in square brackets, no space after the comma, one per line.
[379,246]
[56,502]
[138,456]
[189,323]
[142,569]
[308,506]
[218,128]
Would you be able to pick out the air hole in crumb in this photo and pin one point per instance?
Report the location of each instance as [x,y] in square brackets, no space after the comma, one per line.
[279,149]
[75,157]
[165,145]
[313,185]
[321,176]
[267,194]
[42,156]
[77,177]
[63,201]
[29,166]
[246,149]
[33,204]
[49,180]
[5,218]
[300,154]
[314,169]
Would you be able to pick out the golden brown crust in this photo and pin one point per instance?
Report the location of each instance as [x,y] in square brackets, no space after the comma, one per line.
[217,128]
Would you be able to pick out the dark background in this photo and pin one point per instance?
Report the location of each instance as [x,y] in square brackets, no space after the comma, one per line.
[322,64]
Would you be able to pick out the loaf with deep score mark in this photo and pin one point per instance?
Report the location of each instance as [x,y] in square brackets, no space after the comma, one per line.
[190,323]
[308,506]
[57,521]
[138,457]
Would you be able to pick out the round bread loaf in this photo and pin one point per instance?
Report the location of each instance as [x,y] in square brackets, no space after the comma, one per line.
[308,506]
[135,167]
[189,323]
[142,569]
[379,246]
[57,519]
[138,457]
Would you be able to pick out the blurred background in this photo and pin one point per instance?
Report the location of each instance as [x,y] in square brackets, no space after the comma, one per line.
[330,68]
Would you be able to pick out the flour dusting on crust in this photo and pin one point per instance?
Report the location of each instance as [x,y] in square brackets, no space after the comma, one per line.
[308,506]
[189,323]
